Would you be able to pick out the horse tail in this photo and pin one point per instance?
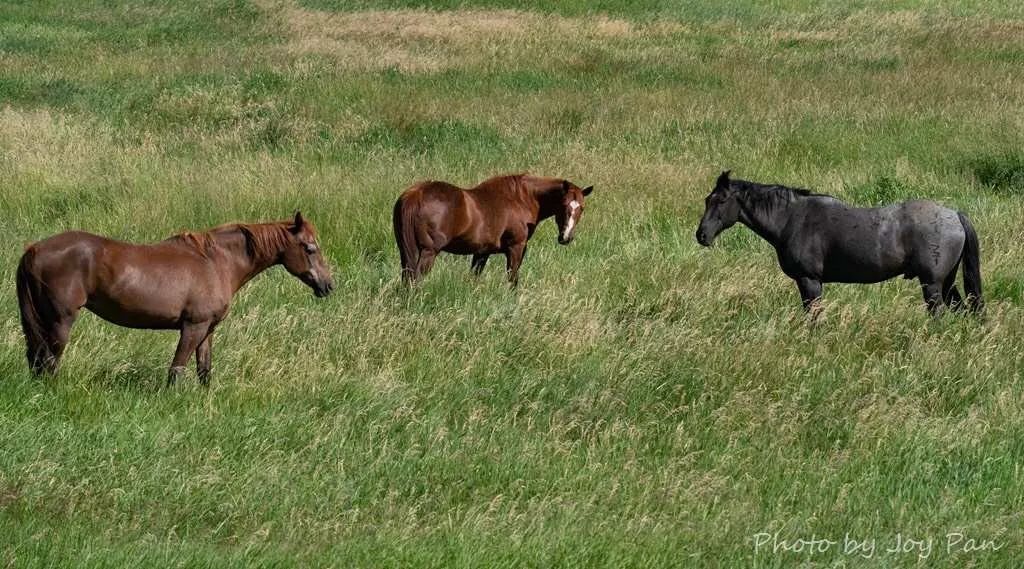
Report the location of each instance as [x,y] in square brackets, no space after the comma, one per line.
[972,266]
[403,218]
[34,306]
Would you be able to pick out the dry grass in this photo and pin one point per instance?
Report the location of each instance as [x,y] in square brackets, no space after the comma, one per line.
[44,144]
[423,41]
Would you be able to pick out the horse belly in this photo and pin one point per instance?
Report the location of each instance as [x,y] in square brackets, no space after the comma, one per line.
[470,247]
[141,299]
[130,316]
[862,264]
[858,273]
[473,242]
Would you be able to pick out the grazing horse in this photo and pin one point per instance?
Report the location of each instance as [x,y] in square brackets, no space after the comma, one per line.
[497,216]
[184,283]
[820,239]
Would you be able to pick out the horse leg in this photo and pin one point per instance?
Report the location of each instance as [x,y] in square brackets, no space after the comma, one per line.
[58,340]
[66,305]
[46,361]
[204,359]
[426,261]
[478,263]
[192,334]
[810,293]
[409,269]
[408,274]
[513,260]
[950,294]
[932,297]
[53,309]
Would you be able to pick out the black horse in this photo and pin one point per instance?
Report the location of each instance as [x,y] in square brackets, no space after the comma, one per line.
[820,239]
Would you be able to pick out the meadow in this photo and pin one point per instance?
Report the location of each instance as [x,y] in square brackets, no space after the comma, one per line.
[639,401]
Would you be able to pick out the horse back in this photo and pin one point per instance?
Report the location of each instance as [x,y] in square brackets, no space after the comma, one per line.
[438,205]
[66,254]
[913,238]
[140,286]
[462,221]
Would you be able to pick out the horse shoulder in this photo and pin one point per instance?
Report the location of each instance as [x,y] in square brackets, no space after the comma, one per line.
[805,239]
[207,277]
[498,220]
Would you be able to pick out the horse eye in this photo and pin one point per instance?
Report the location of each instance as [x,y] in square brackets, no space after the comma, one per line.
[309,247]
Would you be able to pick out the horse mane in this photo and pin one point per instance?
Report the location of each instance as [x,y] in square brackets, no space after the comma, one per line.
[509,181]
[261,239]
[519,181]
[768,196]
[201,241]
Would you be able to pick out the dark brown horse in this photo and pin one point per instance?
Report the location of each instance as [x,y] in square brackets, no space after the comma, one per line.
[497,216]
[184,283]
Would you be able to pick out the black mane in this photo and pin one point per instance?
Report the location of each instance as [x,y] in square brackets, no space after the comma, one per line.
[745,185]
[769,196]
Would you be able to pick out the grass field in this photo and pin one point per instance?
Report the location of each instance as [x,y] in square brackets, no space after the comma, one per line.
[639,401]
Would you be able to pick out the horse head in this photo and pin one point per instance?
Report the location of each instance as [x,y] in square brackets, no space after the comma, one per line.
[721,211]
[303,259]
[568,214]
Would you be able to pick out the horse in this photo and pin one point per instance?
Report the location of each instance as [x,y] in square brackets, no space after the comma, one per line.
[497,216]
[819,239]
[183,283]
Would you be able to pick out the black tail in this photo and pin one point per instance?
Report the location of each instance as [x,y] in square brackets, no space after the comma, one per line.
[972,266]
[35,308]
[402,218]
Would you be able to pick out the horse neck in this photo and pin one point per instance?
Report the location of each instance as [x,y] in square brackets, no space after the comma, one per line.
[765,214]
[245,259]
[543,200]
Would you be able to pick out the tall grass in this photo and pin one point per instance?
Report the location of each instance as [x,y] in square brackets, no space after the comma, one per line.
[639,401]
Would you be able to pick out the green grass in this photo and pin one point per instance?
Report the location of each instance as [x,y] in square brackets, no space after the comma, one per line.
[639,401]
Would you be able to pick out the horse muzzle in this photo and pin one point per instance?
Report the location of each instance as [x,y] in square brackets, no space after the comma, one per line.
[565,240]
[703,239]
[321,290]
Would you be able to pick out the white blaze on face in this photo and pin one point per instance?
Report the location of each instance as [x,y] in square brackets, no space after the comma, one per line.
[573,206]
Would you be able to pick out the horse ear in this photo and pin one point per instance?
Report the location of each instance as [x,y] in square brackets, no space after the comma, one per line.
[588,190]
[723,180]
[298,222]
[565,186]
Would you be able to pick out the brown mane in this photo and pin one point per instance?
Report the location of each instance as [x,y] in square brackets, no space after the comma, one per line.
[201,241]
[263,240]
[511,181]
[536,185]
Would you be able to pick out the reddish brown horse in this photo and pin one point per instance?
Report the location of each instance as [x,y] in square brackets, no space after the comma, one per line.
[184,283]
[497,216]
